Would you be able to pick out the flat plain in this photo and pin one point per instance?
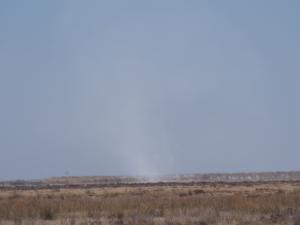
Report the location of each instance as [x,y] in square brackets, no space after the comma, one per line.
[155,203]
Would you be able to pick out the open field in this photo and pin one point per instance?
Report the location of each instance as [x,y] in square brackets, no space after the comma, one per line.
[185,203]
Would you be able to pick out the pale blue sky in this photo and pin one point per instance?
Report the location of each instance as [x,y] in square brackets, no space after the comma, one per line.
[143,87]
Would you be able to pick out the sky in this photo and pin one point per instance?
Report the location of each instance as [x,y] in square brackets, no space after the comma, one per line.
[148,87]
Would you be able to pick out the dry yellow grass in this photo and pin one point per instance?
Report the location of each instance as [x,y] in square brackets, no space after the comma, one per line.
[188,204]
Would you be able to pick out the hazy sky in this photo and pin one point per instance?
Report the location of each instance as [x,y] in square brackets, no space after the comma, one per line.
[146,87]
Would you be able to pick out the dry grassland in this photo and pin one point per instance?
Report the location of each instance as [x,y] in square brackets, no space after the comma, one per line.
[173,204]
